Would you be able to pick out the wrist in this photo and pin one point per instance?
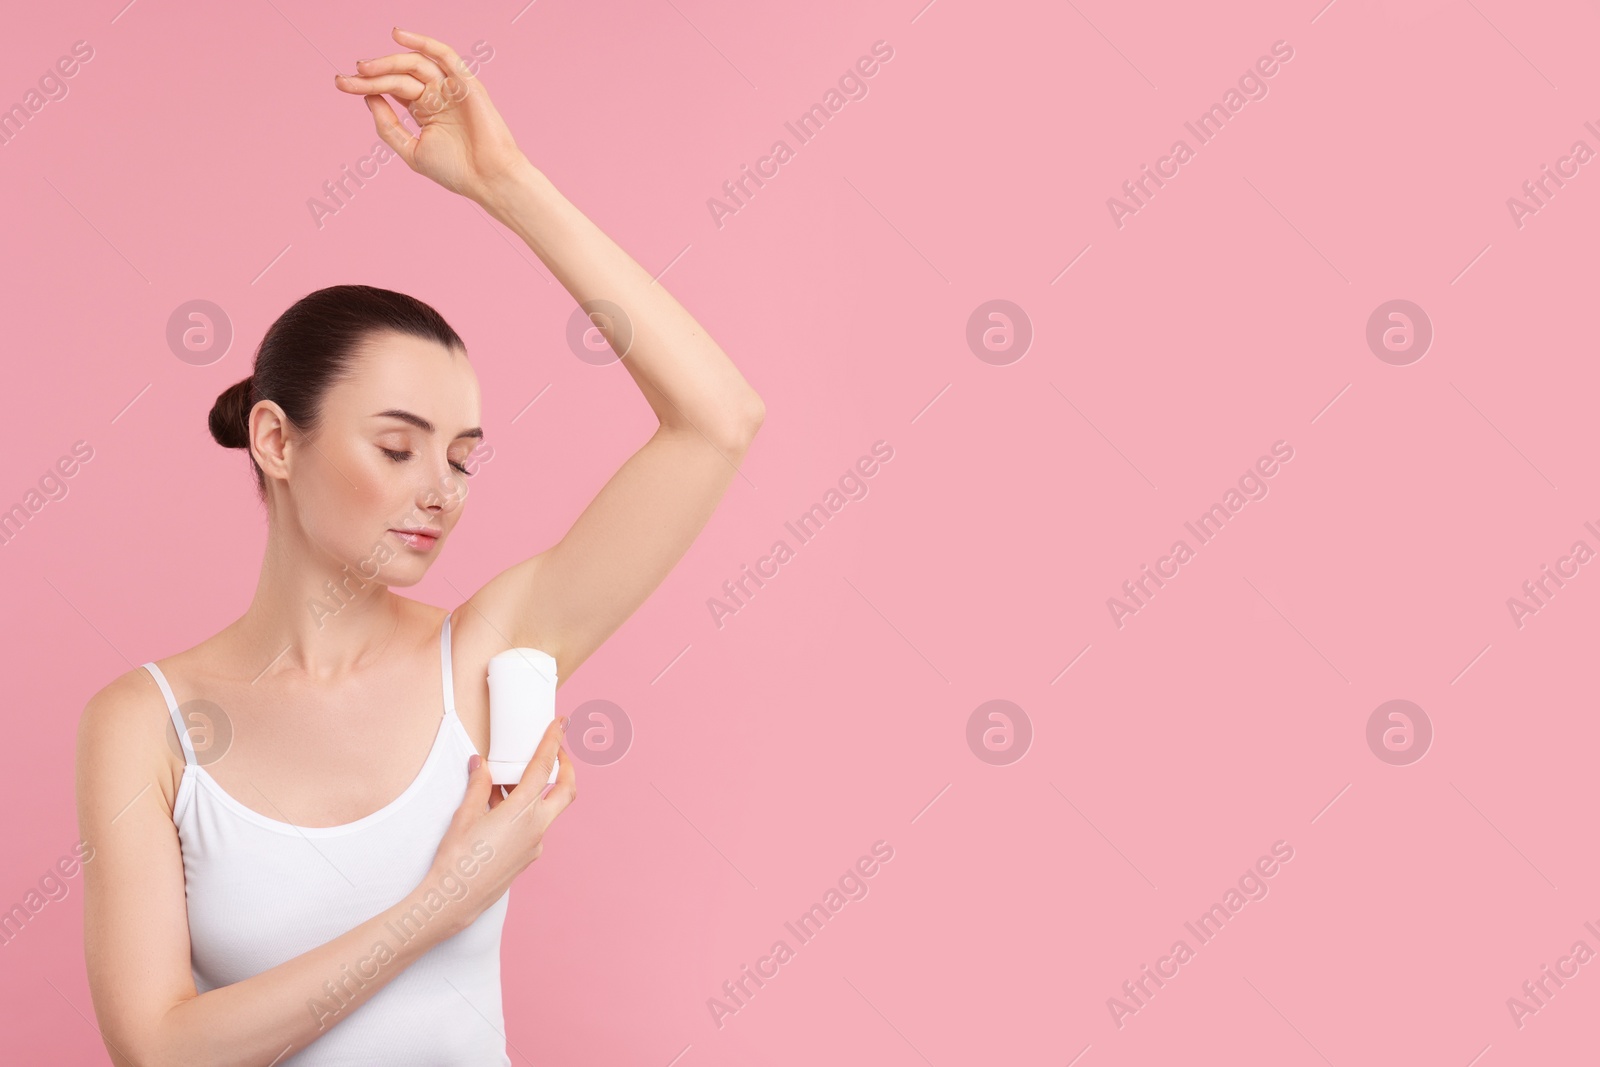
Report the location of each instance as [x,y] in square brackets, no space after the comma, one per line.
[499,193]
[436,910]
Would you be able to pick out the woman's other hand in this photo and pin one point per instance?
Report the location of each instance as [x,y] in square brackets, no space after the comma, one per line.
[462,143]
[492,839]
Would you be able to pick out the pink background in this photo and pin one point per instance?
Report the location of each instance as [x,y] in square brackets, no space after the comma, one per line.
[832,711]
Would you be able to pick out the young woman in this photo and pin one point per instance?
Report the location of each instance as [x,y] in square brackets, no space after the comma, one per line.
[333,890]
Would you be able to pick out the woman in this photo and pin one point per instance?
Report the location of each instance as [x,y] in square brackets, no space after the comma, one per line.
[315,897]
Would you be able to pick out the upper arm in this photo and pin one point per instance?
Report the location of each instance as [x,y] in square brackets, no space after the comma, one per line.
[568,599]
[135,918]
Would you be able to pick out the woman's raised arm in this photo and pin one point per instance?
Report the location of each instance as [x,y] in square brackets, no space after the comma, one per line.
[571,597]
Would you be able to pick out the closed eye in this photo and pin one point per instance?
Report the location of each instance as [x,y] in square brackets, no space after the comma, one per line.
[401,457]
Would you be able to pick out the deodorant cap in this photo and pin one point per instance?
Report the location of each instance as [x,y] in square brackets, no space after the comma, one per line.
[523,659]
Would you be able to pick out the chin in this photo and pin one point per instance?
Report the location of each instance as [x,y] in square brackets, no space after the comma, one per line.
[407,574]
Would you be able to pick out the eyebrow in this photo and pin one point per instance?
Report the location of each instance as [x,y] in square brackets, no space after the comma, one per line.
[423,424]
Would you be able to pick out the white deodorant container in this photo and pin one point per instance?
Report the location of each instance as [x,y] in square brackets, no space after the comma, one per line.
[522,704]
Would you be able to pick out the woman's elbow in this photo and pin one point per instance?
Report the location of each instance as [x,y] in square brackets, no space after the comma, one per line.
[752,413]
[137,1043]
[735,424]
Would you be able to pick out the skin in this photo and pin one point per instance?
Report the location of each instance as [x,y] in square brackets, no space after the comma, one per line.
[334,724]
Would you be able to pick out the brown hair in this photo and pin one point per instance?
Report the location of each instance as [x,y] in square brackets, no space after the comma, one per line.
[310,348]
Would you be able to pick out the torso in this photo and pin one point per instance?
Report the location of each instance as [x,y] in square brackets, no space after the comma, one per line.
[331,755]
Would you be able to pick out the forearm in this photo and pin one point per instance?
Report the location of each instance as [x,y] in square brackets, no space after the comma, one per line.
[687,379]
[289,1006]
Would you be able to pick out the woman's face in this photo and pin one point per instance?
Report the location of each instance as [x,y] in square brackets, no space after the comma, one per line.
[383,472]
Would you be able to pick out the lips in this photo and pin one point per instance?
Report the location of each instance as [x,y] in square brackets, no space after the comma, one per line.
[416,537]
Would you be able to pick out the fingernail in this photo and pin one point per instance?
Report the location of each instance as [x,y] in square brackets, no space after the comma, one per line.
[474,762]
[564,720]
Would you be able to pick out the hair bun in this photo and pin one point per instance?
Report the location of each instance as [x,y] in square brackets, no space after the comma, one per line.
[230,415]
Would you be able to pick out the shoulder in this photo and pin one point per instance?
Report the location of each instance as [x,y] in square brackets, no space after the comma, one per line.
[122,703]
[122,735]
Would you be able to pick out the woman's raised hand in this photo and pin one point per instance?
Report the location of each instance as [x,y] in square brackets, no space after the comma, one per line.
[462,143]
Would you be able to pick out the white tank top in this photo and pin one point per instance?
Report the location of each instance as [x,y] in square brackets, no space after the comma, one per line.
[262,891]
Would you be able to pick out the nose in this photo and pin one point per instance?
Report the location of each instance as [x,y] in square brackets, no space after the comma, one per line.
[443,492]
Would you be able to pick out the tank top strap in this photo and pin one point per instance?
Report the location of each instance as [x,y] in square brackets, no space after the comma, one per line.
[172,710]
[444,662]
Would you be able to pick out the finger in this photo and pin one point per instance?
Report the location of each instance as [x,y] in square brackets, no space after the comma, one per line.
[415,64]
[400,86]
[438,51]
[478,784]
[392,133]
[498,794]
[537,773]
[564,790]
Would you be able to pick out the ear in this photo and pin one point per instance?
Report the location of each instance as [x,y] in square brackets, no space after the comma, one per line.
[270,441]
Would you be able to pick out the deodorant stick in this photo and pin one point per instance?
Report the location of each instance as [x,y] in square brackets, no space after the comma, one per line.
[522,705]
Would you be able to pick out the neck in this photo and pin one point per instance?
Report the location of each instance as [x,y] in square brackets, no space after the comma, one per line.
[315,615]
